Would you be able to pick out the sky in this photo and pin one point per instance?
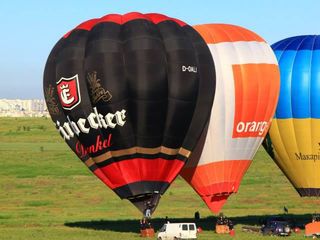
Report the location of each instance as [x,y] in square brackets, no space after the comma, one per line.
[30,29]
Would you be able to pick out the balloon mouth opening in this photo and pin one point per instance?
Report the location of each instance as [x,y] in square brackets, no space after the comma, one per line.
[216,202]
[308,192]
[146,203]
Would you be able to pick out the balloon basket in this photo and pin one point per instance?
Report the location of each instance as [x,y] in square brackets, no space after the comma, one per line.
[222,229]
[312,229]
[146,233]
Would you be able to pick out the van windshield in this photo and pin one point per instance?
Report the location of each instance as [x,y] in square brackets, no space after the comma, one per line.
[163,229]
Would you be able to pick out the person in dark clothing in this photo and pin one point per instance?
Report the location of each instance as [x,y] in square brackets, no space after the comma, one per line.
[143,224]
[148,210]
[149,224]
[230,224]
[221,219]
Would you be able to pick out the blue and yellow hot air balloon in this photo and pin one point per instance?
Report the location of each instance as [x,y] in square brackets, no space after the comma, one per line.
[294,137]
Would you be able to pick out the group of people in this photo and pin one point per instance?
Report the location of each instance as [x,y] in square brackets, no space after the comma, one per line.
[316,217]
[145,223]
[223,220]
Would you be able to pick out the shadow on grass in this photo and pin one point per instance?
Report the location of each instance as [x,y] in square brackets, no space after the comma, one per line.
[132,225]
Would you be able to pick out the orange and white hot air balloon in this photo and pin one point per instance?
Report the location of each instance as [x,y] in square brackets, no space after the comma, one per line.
[247,89]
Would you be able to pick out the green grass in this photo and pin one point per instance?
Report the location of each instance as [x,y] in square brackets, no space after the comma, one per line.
[47,193]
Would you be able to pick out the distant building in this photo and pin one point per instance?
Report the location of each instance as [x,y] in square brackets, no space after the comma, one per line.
[23,108]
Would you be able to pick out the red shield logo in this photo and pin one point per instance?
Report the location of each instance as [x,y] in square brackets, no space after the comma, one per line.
[69,92]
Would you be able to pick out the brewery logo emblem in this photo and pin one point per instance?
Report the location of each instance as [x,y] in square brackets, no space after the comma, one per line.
[51,102]
[69,92]
[97,92]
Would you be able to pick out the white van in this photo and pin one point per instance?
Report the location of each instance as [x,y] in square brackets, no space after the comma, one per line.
[175,231]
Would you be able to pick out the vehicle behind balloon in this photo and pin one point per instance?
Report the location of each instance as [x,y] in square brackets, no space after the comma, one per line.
[276,226]
[174,231]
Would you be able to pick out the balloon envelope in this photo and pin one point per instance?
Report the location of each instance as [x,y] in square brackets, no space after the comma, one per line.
[294,136]
[247,88]
[131,96]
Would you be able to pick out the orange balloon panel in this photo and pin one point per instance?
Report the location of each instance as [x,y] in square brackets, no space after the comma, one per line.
[247,89]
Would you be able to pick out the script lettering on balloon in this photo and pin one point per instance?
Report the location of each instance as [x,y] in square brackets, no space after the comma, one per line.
[95,120]
[99,145]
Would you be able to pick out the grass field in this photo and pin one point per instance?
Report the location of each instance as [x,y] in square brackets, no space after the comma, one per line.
[47,193]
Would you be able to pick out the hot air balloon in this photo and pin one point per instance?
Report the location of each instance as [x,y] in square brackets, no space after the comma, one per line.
[293,140]
[131,94]
[247,88]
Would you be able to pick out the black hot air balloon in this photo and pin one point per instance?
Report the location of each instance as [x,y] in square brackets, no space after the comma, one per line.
[131,95]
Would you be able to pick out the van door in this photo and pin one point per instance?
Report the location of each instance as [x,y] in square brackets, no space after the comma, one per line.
[185,231]
[192,231]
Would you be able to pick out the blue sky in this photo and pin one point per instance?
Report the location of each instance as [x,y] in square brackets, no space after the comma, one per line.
[29,29]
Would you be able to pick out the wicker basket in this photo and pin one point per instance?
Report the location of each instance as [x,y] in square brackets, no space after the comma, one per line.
[148,232]
[222,229]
